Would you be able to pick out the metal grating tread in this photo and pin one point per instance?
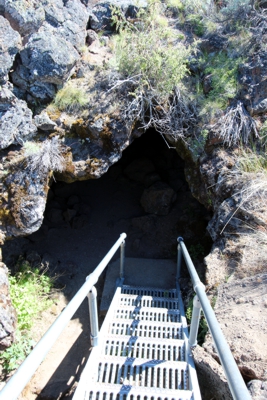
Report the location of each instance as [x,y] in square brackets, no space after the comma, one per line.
[147,314]
[142,372]
[133,346]
[148,301]
[122,392]
[143,350]
[170,330]
[144,291]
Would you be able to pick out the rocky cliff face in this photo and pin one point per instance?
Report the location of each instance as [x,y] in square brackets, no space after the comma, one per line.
[47,43]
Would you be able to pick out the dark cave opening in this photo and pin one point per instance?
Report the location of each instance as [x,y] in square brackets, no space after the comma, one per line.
[84,219]
[144,194]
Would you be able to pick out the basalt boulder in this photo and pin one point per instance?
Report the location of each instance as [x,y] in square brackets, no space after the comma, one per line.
[16,124]
[47,61]
[10,44]
[8,316]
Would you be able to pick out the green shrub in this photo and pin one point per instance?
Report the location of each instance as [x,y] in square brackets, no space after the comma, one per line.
[197,23]
[72,97]
[197,6]
[15,354]
[223,72]
[29,292]
[251,161]
[150,51]
[234,8]
[263,134]
[175,4]
[29,289]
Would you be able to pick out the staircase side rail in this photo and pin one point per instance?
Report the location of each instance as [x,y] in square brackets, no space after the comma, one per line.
[26,370]
[235,381]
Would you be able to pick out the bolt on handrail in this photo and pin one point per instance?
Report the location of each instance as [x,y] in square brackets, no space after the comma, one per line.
[26,370]
[235,381]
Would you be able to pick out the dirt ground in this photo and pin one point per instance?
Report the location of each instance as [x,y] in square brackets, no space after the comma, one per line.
[110,206]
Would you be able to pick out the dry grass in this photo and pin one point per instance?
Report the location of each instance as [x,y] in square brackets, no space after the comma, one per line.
[236,126]
[46,156]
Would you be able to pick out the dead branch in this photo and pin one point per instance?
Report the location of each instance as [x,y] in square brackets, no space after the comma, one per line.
[174,117]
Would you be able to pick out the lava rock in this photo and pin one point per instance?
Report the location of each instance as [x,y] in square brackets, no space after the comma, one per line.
[33,258]
[91,37]
[24,18]
[10,44]
[254,88]
[16,123]
[211,377]
[151,178]
[139,169]
[102,13]
[8,317]
[213,42]
[69,214]
[258,389]
[43,122]
[73,200]
[76,19]
[158,198]
[47,60]
[54,215]
[259,108]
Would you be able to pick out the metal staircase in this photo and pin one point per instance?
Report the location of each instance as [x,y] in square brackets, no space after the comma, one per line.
[142,351]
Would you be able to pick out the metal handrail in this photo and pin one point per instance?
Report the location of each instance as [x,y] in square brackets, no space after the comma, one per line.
[26,370]
[235,381]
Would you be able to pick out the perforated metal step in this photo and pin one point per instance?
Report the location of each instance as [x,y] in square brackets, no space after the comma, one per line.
[145,329]
[143,291]
[148,301]
[133,346]
[143,350]
[127,392]
[147,314]
[146,372]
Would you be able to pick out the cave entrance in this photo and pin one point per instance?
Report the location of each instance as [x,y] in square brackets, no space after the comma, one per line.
[144,194]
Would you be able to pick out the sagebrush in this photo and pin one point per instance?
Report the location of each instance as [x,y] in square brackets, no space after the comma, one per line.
[152,61]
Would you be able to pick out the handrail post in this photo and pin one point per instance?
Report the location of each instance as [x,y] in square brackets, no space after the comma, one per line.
[194,322]
[179,258]
[122,259]
[92,295]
